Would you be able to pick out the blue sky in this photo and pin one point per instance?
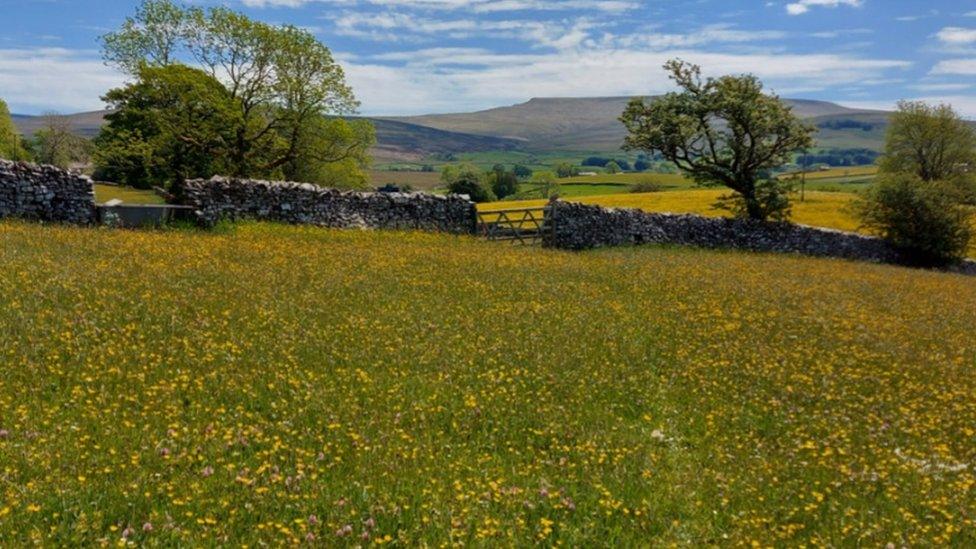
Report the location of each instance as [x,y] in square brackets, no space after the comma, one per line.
[419,56]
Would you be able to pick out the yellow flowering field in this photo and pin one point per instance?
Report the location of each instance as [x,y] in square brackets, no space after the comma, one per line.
[278,385]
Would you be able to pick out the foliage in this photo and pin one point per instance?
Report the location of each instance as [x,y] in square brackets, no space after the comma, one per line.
[839,157]
[333,152]
[771,199]
[923,218]
[522,172]
[931,142]
[612,167]
[502,182]
[56,144]
[469,180]
[565,169]
[11,147]
[544,184]
[174,123]
[281,80]
[722,131]
[629,397]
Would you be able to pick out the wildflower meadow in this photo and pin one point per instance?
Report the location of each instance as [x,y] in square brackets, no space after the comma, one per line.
[272,385]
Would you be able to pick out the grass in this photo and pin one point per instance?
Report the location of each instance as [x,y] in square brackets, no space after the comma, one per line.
[128,195]
[269,384]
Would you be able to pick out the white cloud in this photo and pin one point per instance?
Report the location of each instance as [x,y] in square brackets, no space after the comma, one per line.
[478,6]
[965,105]
[957,36]
[803,6]
[438,80]
[956,66]
[36,80]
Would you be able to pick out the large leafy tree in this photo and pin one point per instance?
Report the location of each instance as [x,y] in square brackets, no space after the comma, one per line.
[929,141]
[174,123]
[721,131]
[282,81]
[11,147]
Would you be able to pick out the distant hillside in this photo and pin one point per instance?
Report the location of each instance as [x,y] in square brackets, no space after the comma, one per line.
[556,124]
[85,123]
[585,124]
[395,140]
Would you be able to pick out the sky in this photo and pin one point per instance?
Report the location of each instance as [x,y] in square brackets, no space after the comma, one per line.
[432,56]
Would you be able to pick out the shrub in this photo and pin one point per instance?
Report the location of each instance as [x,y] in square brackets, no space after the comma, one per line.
[647,185]
[924,220]
[476,189]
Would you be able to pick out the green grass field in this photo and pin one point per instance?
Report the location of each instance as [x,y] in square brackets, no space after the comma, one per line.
[128,195]
[272,385]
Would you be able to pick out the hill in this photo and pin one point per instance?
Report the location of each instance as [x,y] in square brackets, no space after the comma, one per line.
[395,140]
[548,124]
[269,384]
[590,123]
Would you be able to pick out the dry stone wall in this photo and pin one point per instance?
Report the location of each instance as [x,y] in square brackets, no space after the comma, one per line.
[580,227]
[45,193]
[302,203]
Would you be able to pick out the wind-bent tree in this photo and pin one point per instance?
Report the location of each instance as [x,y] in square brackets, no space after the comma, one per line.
[722,131]
[929,141]
[11,147]
[285,86]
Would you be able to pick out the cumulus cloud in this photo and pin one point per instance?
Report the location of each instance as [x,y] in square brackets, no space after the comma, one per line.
[40,79]
[957,36]
[803,6]
[965,67]
[439,80]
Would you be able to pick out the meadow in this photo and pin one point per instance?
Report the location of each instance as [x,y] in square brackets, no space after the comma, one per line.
[264,384]
[128,195]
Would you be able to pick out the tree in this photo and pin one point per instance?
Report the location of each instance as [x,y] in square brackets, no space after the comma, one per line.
[502,182]
[522,172]
[333,152]
[722,131]
[281,80]
[174,123]
[545,184]
[565,169]
[11,147]
[612,167]
[153,36]
[467,179]
[55,144]
[923,219]
[931,142]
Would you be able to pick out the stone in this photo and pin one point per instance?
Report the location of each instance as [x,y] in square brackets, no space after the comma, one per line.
[45,193]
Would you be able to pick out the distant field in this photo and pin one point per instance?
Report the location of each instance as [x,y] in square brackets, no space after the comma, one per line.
[839,173]
[271,385]
[128,195]
[421,181]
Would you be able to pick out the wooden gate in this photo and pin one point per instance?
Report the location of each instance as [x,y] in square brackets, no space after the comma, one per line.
[517,225]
